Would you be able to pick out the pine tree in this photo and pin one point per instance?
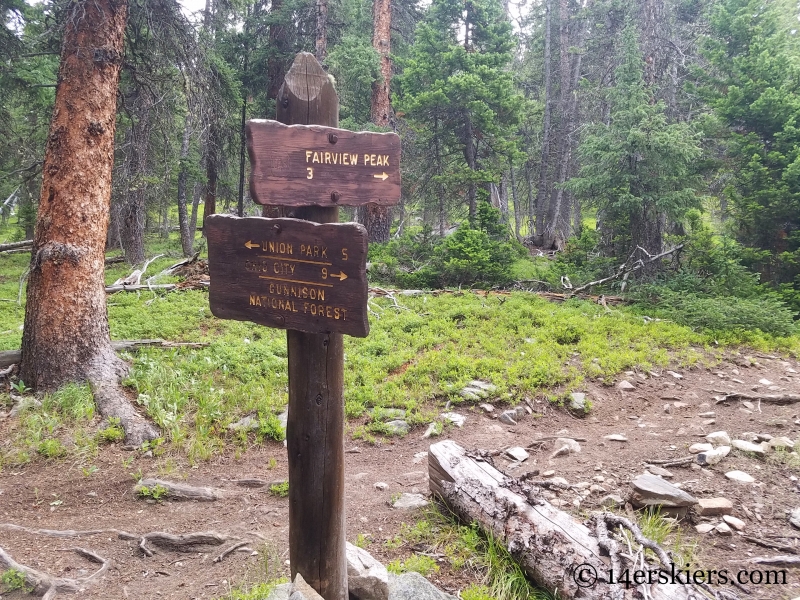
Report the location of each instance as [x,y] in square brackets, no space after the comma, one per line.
[639,169]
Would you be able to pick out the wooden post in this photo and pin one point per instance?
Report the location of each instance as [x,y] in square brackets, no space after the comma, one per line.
[315,428]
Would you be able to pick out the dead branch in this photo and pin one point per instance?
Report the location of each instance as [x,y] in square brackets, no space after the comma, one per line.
[672,462]
[181,543]
[24,244]
[779,399]
[177,491]
[626,268]
[771,545]
[776,561]
[233,548]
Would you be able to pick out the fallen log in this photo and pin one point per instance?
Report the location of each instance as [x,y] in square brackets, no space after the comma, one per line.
[177,491]
[557,552]
[779,399]
[24,244]
[12,357]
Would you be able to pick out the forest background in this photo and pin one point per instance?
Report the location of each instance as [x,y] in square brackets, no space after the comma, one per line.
[595,134]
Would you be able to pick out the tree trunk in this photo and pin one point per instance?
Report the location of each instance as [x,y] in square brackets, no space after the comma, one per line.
[193,218]
[187,236]
[469,154]
[210,204]
[378,219]
[66,335]
[538,217]
[278,43]
[133,209]
[322,30]
[515,201]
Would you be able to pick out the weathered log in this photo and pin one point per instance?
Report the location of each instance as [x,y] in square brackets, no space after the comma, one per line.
[24,244]
[779,399]
[11,357]
[178,491]
[557,552]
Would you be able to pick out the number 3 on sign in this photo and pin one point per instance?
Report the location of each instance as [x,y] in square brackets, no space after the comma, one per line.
[310,173]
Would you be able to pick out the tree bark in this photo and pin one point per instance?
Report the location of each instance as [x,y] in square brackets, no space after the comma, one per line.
[193,218]
[515,201]
[66,336]
[132,209]
[321,43]
[187,235]
[537,218]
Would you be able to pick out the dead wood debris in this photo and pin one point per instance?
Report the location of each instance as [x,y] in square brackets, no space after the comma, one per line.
[779,399]
[178,491]
[771,545]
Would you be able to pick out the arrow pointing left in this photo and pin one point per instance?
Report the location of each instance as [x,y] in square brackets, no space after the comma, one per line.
[251,245]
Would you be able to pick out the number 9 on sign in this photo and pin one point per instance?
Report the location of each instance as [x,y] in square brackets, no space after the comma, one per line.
[324,272]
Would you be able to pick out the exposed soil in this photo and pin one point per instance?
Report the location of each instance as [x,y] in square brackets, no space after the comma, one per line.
[58,495]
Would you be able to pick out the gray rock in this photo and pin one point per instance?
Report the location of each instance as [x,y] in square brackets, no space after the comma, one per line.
[712,457]
[397,427]
[485,386]
[488,408]
[612,501]
[704,527]
[413,586]
[781,442]
[626,386]
[615,437]
[748,446]
[248,423]
[719,438]
[740,476]
[521,413]
[709,507]
[737,524]
[794,518]
[700,447]
[660,471]
[381,485]
[455,418]
[367,579]
[723,529]
[300,590]
[283,418]
[473,394]
[578,403]
[432,430]
[387,414]
[410,502]
[518,453]
[280,592]
[24,403]
[649,490]
[565,446]
[508,417]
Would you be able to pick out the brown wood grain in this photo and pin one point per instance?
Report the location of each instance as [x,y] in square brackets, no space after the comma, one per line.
[281,156]
[289,273]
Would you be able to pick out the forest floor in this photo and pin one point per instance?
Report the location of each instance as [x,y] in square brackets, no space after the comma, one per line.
[60,495]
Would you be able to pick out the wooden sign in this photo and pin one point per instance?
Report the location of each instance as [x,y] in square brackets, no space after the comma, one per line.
[289,273]
[298,165]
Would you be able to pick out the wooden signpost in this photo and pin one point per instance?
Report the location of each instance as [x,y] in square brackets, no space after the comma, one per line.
[309,171]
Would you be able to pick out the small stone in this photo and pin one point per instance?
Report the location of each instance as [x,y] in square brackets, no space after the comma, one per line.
[432,430]
[711,457]
[578,403]
[740,476]
[381,486]
[700,447]
[248,423]
[709,507]
[680,405]
[560,482]
[483,385]
[719,438]
[419,457]
[626,385]
[410,501]
[598,478]
[709,422]
[781,442]
[597,489]
[723,529]
[397,427]
[675,375]
[763,437]
[488,408]
[668,408]
[549,473]
[737,524]
[508,417]
[518,453]
[455,418]
[747,446]
[704,527]
[615,437]
[706,415]
[794,518]
[612,501]
[764,382]
[659,471]
[565,446]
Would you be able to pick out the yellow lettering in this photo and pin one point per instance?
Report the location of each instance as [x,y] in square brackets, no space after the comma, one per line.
[336,158]
[372,160]
[366,159]
[354,159]
[324,252]
[305,307]
[255,300]
[308,155]
[327,158]
[336,313]
[315,158]
[345,159]
[385,160]
[344,253]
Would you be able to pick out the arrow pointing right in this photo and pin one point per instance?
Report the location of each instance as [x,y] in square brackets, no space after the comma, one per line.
[381,176]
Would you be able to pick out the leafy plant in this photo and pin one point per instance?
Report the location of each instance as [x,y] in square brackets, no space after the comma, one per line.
[113,432]
[20,387]
[157,492]
[51,448]
[280,489]
[424,565]
[15,580]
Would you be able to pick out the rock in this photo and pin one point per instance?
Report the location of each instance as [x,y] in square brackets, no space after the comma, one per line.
[521,413]
[712,457]
[649,490]
[739,476]
[283,418]
[794,518]
[410,502]
[709,507]
[455,418]
[700,447]
[432,430]
[578,403]
[723,529]
[612,501]
[597,489]
[397,427]
[419,457]
[675,375]
[719,438]
[473,394]
[748,405]
[704,527]
[659,471]
[483,385]
[413,586]
[615,437]
[764,382]
[626,385]
[518,453]
[381,485]
[781,442]
[747,446]
[705,415]
[508,417]
[367,579]
[477,390]
[549,473]
[762,437]
[280,592]
[387,414]
[488,408]
[565,446]
[737,524]
[680,405]
[300,590]
[248,423]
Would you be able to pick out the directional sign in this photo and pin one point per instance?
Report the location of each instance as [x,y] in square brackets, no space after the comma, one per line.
[298,165]
[289,273]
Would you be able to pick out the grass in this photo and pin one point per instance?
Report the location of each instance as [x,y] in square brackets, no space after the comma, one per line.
[666,533]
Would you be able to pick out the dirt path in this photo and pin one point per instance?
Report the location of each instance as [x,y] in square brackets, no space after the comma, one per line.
[58,495]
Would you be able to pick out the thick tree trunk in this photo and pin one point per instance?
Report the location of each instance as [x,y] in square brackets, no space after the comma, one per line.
[187,235]
[537,218]
[322,30]
[66,335]
[378,219]
[278,42]
[515,201]
[132,209]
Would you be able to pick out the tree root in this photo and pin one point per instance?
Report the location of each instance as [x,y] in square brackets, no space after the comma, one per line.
[233,548]
[180,543]
[178,491]
[49,586]
[112,402]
